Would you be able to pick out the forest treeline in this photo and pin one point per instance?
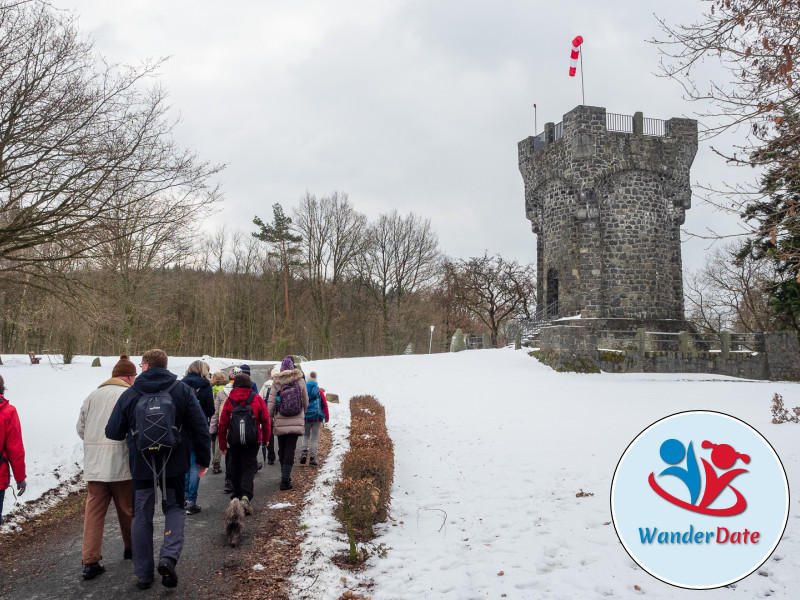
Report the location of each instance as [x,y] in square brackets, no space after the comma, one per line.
[349,288]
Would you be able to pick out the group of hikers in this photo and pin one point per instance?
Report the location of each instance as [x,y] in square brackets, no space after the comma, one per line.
[146,431]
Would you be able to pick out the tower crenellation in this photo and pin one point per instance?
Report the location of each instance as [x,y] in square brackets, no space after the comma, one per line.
[606,195]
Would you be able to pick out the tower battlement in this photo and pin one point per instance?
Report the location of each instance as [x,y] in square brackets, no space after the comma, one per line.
[606,196]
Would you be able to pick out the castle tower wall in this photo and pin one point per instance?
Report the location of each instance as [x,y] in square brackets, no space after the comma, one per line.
[607,207]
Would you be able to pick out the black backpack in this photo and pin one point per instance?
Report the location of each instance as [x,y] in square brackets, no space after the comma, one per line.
[244,429]
[155,432]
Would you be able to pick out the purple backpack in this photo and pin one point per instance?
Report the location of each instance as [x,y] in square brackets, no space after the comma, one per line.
[291,400]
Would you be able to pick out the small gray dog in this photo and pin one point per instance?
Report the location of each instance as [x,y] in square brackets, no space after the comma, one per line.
[234,517]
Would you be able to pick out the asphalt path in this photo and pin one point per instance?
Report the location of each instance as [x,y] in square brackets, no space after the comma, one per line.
[49,567]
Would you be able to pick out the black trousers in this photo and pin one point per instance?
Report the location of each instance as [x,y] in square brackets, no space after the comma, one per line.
[286,446]
[271,446]
[243,464]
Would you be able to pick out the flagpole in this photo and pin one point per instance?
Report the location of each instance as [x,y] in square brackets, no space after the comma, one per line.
[535,125]
[583,93]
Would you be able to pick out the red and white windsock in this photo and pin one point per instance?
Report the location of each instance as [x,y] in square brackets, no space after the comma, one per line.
[576,49]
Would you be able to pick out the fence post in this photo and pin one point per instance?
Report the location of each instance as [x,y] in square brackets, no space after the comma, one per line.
[725,339]
[638,123]
[641,340]
[683,338]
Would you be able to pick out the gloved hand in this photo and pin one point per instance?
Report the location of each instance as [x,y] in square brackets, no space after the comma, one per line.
[21,487]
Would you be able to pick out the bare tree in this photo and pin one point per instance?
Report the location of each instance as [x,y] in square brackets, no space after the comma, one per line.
[333,238]
[730,293]
[80,141]
[401,258]
[494,289]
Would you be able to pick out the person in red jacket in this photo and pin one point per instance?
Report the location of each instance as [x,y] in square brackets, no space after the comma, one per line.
[13,456]
[241,435]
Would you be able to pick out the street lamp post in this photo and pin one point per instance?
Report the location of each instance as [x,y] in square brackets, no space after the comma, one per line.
[430,344]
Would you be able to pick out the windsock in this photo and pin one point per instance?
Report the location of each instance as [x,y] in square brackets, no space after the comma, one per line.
[576,48]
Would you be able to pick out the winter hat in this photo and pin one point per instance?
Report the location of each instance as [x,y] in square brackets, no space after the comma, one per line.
[124,367]
[245,369]
[234,372]
[275,370]
[312,376]
[287,364]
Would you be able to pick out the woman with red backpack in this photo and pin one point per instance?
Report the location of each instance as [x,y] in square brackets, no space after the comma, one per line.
[13,457]
[287,403]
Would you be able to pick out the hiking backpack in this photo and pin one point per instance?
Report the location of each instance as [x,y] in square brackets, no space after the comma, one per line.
[314,410]
[244,429]
[154,420]
[291,403]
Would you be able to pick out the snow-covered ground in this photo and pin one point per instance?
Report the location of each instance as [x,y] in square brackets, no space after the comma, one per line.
[492,447]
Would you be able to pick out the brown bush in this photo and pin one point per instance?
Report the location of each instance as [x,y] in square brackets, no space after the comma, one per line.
[364,491]
[779,412]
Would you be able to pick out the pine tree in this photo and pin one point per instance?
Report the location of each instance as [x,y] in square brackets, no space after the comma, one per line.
[279,235]
[775,216]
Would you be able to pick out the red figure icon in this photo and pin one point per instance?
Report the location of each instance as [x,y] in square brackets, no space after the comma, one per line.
[724,457]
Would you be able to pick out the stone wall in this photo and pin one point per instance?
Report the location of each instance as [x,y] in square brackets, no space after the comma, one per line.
[566,348]
[607,208]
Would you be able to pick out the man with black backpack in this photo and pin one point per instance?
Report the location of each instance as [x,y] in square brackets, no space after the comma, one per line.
[162,421]
[243,424]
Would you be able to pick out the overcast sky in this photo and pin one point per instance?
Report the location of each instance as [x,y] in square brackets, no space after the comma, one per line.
[413,104]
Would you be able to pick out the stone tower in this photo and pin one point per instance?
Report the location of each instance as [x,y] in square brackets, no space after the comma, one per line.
[606,195]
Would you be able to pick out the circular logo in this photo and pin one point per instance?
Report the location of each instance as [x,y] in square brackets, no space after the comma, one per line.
[699,499]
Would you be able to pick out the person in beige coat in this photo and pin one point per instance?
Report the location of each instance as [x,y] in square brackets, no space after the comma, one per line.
[287,428]
[106,468]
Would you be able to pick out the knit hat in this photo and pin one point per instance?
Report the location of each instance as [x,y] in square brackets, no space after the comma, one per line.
[312,376]
[124,367]
[234,372]
[245,369]
[287,364]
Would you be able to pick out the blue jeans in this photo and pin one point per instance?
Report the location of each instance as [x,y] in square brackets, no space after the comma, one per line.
[192,482]
[2,496]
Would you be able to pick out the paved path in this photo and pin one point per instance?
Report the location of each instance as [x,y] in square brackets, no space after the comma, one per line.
[49,567]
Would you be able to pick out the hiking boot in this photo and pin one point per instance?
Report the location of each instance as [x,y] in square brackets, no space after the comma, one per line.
[216,470]
[92,570]
[144,583]
[127,554]
[192,508]
[228,487]
[271,461]
[303,459]
[286,484]
[248,510]
[313,461]
[166,568]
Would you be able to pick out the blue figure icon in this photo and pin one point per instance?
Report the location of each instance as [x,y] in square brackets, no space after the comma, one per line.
[672,452]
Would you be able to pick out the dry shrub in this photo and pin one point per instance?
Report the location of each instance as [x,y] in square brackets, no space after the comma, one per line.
[364,491]
[780,414]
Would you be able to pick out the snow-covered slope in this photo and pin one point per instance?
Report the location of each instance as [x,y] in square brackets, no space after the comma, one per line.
[491,449]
